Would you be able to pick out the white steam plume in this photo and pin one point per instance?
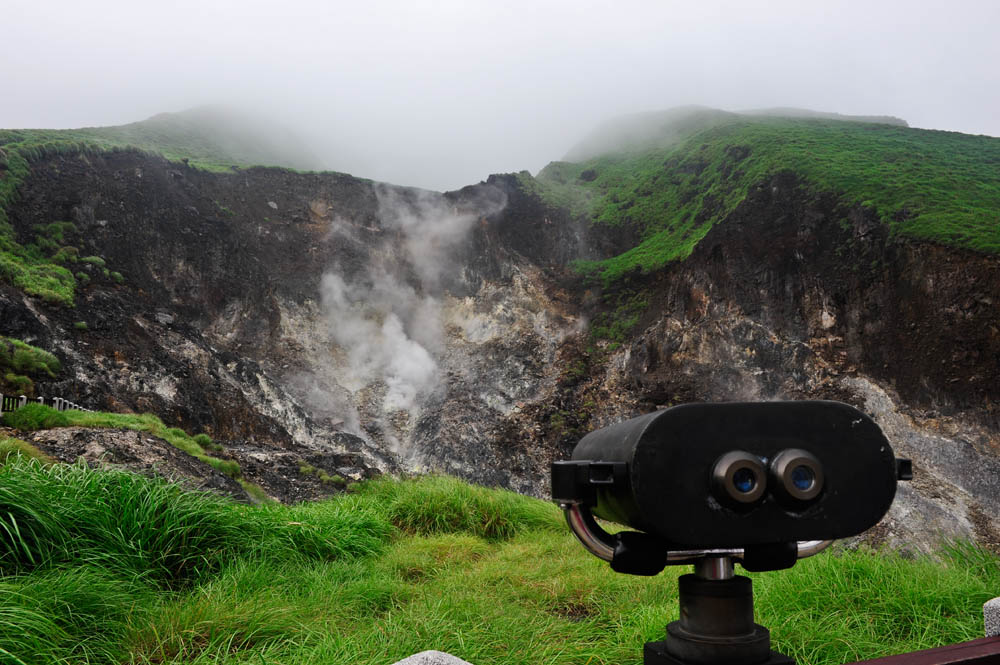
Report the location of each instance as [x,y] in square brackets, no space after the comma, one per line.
[367,322]
[386,319]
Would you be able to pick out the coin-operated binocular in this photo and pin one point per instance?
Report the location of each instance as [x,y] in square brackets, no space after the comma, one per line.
[759,484]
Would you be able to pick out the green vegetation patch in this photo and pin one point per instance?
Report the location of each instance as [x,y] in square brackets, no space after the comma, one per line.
[442,504]
[323,476]
[68,515]
[625,308]
[110,567]
[21,362]
[11,448]
[34,416]
[930,185]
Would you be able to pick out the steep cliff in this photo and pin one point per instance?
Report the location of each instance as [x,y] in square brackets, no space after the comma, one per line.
[276,311]
[783,301]
[320,320]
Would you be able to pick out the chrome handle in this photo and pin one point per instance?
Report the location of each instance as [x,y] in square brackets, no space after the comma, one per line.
[601,544]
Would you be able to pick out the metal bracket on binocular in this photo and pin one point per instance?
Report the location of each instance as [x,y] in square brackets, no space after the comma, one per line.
[761,484]
[638,553]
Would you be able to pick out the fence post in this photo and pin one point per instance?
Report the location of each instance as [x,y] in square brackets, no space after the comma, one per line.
[57,403]
[41,400]
[22,400]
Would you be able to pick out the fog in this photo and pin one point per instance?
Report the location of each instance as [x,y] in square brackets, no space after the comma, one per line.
[442,94]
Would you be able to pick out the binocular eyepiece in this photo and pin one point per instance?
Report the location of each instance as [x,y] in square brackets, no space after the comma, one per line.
[763,477]
[741,479]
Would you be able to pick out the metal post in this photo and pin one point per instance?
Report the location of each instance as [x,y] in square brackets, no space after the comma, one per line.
[716,625]
[714,568]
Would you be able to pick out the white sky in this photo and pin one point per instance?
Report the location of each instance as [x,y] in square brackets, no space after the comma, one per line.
[441,94]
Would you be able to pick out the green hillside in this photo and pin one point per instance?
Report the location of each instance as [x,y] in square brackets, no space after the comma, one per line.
[209,137]
[930,185]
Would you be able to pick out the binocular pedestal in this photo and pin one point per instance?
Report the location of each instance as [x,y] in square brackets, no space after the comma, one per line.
[716,624]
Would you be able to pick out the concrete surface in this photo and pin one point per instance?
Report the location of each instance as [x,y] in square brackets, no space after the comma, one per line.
[991,617]
[432,658]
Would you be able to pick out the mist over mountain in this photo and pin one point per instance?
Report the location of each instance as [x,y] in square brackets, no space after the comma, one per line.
[222,133]
[213,136]
[323,321]
[661,129]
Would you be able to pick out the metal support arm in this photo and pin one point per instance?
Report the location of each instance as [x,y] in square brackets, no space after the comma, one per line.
[602,544]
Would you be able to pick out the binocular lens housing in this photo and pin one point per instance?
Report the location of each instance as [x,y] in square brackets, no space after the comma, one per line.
[739,479]
[797,475]
[733,474]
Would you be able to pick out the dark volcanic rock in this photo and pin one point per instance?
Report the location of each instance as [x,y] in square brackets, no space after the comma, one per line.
[257,306]
[298,474]
[134,451]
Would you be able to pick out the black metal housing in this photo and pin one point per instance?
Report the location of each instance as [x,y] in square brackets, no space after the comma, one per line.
[658,473]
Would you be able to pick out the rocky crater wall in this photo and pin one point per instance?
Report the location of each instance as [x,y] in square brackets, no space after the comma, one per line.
[296,316]
[796,296]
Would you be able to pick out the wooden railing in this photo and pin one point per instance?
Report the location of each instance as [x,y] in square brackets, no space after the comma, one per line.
[984,651]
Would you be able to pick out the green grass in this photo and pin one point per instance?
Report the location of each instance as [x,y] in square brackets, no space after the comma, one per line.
[930,185]
[128,569]
[324,477]
[441,504]
[12,448]
[34,416]
[38,268]
[21,362]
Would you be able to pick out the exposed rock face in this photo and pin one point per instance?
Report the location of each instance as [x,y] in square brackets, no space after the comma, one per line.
[135,451]
[393,325]
[797,297]
[297,317]
[296,474]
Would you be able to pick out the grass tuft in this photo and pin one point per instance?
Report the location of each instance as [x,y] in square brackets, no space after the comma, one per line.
[443,504]
[16,448]
[127,569]
[20,362]
[57,515]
